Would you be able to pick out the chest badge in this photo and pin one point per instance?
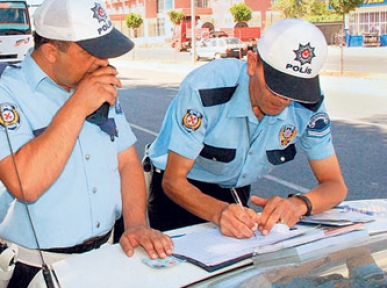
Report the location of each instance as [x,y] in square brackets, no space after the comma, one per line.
[287,134]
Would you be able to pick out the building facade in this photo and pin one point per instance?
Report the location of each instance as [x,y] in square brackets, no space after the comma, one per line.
[156,21]
[367,25]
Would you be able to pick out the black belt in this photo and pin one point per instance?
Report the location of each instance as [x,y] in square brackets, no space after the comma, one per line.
[88,245]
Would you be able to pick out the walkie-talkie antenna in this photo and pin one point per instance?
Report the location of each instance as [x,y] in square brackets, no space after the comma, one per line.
[46,270]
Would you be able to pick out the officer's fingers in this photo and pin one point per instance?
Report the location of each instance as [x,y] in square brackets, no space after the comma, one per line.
[162,244]
[258,201]
[255,218]
[236,222]
[126,246]
[271,214]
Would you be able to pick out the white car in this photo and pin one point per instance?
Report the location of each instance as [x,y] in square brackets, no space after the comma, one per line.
[220,47]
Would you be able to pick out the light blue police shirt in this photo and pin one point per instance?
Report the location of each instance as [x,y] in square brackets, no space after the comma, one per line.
[230,147]
[85,200]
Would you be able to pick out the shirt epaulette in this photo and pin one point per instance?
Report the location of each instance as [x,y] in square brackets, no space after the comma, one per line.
[216,96]
[2,68]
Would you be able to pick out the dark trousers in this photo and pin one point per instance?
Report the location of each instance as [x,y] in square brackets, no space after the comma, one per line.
[164,214]
[22,275]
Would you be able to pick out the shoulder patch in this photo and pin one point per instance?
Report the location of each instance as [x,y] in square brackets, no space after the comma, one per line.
[216,96]
[319,125]
[192,120]
[10,118]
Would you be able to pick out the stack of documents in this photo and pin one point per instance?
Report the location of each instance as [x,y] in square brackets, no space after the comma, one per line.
[313,243]
[211,250]
[339,216]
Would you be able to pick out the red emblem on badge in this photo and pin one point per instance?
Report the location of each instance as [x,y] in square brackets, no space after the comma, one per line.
[192,120]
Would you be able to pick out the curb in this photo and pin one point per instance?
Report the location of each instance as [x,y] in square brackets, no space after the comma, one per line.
[170,65]
[348,74]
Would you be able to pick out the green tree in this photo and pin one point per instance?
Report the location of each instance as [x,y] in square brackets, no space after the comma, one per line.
[343,7]
[289,8]
[318,11]
[310,10]
[176,16]
[134,21]
[241,13]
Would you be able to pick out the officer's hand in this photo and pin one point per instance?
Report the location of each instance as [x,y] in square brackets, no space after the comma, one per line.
[95,88]
[276,210]
[155,243]
[235,222]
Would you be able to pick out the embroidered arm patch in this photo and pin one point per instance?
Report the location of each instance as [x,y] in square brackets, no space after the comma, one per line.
[319,125]
[192,120]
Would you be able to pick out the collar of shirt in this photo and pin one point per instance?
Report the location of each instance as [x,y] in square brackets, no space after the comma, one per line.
[36,76]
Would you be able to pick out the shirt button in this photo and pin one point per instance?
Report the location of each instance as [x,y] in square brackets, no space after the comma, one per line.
[87,156]
[244,175]
[251,152]
[282,159]
[95,190]
[97,224]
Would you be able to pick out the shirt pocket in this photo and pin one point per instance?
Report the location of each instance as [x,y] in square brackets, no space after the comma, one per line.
[215,159]
[278,157]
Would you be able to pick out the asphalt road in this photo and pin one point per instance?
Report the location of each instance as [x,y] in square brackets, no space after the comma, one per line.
[359,126]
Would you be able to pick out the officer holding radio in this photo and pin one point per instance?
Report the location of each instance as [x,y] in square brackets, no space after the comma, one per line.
[76,174]
[232,122]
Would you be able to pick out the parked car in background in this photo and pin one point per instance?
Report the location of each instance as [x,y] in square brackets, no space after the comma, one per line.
[15,31]
[220,47]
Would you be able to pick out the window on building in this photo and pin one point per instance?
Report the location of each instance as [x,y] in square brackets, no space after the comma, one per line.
[160,6]
[160,27]
[201,3]
[152,28]
[354,24]
[383,22]
[168,4]
[368,22]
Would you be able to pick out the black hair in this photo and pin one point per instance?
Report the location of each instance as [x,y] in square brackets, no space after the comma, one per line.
[40,40]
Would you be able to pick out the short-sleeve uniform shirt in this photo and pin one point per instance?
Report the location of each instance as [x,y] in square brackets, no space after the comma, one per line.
[211,121]
[86,198]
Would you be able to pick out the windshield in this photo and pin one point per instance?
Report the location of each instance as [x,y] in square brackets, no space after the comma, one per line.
[14,18]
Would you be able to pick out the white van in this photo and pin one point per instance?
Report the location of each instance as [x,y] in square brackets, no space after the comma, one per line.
[15,31]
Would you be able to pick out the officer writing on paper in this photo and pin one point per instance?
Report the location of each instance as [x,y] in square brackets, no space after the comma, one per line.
[77,174]
[232,122]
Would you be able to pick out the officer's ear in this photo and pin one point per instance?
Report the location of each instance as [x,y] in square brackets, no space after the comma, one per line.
[252,62]
[50,52]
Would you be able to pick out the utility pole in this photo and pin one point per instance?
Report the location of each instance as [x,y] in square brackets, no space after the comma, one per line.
[193,24]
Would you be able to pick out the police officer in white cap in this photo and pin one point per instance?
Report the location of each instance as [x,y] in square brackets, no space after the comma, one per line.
[232,122]
[78,170]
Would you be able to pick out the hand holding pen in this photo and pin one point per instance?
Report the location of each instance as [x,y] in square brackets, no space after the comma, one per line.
[238,221]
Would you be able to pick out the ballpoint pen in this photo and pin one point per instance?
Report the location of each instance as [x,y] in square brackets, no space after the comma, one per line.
[238,201]
[236,198]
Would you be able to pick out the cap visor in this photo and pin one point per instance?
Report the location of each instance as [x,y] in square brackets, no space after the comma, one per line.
[298,89]
[110,45]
